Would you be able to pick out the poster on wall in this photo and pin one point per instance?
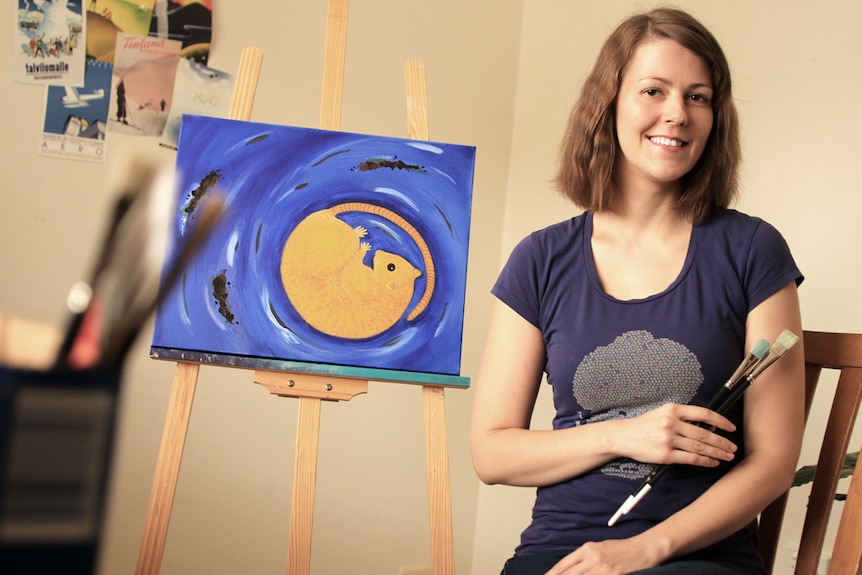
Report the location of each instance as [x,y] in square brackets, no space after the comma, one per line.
[107,18]
[48,43]
[337,249]
[76,118]
[189,21]
[142,86]
[200,91]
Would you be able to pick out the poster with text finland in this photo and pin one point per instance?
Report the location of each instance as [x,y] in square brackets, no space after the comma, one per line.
[335,249]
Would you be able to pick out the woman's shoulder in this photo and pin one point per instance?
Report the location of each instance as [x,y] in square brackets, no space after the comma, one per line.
[731,219]
[564,230]
[551,242]
[749,241]
[735,224]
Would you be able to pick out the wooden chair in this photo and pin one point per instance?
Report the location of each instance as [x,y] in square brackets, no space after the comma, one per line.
[842,352]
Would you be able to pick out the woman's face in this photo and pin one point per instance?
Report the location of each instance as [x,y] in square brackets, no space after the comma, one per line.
[663,115]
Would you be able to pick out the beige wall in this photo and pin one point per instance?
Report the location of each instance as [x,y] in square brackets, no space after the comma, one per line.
[501,76]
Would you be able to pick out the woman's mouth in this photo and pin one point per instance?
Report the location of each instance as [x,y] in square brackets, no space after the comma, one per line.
[663,141]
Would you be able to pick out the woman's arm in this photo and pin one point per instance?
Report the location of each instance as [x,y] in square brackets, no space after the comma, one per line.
[506,451]
[773,419]
[773,425]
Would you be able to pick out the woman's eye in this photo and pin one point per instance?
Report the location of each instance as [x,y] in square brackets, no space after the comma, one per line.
[652,91]
[702,98]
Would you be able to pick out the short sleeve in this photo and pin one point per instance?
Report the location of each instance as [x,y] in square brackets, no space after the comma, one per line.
[770,265]
[517,284]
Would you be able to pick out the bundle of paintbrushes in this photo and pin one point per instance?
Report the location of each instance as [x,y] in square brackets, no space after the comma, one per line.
[128,280]
[761,356]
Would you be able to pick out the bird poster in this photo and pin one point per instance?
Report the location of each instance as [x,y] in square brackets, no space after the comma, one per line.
[335,249]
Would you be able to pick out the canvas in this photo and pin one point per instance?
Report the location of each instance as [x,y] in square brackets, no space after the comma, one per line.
[336,249]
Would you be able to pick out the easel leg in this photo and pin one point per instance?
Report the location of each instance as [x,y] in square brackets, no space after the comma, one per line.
[304,480]
[439,492]
[167,469]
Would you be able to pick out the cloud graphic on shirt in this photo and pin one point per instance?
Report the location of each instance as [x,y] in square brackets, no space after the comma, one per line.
[632,375]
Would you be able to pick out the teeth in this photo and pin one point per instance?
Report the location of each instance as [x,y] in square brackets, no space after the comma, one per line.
[666,141]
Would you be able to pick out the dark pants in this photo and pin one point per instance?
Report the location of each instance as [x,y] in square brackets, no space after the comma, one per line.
[540,564]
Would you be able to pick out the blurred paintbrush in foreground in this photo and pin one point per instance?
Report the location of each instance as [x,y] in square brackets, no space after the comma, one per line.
[128,279]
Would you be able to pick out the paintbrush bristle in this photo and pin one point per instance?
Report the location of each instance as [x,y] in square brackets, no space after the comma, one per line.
[760,348]
[787,339]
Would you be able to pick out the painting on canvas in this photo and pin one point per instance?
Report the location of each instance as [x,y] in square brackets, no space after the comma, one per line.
[335,249]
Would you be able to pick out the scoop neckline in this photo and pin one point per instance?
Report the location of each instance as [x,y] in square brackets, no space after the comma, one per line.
[593,274]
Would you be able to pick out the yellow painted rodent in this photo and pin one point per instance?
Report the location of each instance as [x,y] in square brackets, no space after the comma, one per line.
[332,289]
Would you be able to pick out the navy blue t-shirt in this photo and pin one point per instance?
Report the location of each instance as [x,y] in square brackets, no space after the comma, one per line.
[612,359]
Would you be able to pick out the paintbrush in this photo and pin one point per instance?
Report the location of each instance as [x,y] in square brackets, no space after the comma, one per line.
[81,293]
[124,333]
[134,243]
[139,273]
[785,341]
[757,353]
[124,289]
[762,355]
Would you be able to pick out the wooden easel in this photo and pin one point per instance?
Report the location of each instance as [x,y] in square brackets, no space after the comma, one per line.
[309,389]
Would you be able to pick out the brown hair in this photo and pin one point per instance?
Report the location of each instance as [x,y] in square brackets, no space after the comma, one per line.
[589,148]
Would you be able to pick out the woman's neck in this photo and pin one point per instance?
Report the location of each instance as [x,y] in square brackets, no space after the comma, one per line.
[639,247]
[650,214]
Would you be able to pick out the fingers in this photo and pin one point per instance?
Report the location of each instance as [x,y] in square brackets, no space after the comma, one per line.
[695,452]
[707,419]
[695,439]
[609,557]
[676,434]
[684,434]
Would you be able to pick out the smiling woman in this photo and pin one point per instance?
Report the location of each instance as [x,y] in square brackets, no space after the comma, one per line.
[664,117]
[637,311]
[589,149]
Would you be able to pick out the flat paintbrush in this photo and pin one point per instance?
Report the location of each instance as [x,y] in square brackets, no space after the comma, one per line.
[81,293]
[760,357]
[755,356]
[785,341]
[137,286]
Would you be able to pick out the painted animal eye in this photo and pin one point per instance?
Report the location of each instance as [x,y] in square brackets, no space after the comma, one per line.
[391,267]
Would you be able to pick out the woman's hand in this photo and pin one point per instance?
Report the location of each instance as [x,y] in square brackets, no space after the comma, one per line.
[505,450]
[610,557]
[670,434]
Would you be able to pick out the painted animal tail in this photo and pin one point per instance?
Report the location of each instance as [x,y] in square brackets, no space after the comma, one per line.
[430,274]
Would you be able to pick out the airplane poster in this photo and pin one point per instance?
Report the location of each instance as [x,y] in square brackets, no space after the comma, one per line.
[49,40]
[76,118]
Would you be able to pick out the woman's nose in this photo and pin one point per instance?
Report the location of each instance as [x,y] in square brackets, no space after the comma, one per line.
[675,111]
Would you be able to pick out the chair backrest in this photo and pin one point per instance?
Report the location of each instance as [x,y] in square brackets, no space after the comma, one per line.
[842,352]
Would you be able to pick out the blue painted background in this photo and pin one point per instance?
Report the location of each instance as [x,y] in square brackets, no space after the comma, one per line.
[272,177]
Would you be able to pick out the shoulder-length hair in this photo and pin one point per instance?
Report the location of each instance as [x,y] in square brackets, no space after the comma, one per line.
[589,148]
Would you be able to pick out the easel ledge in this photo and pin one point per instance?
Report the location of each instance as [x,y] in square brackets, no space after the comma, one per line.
[258,363]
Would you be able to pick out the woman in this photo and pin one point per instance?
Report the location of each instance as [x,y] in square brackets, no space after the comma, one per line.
[638,310]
